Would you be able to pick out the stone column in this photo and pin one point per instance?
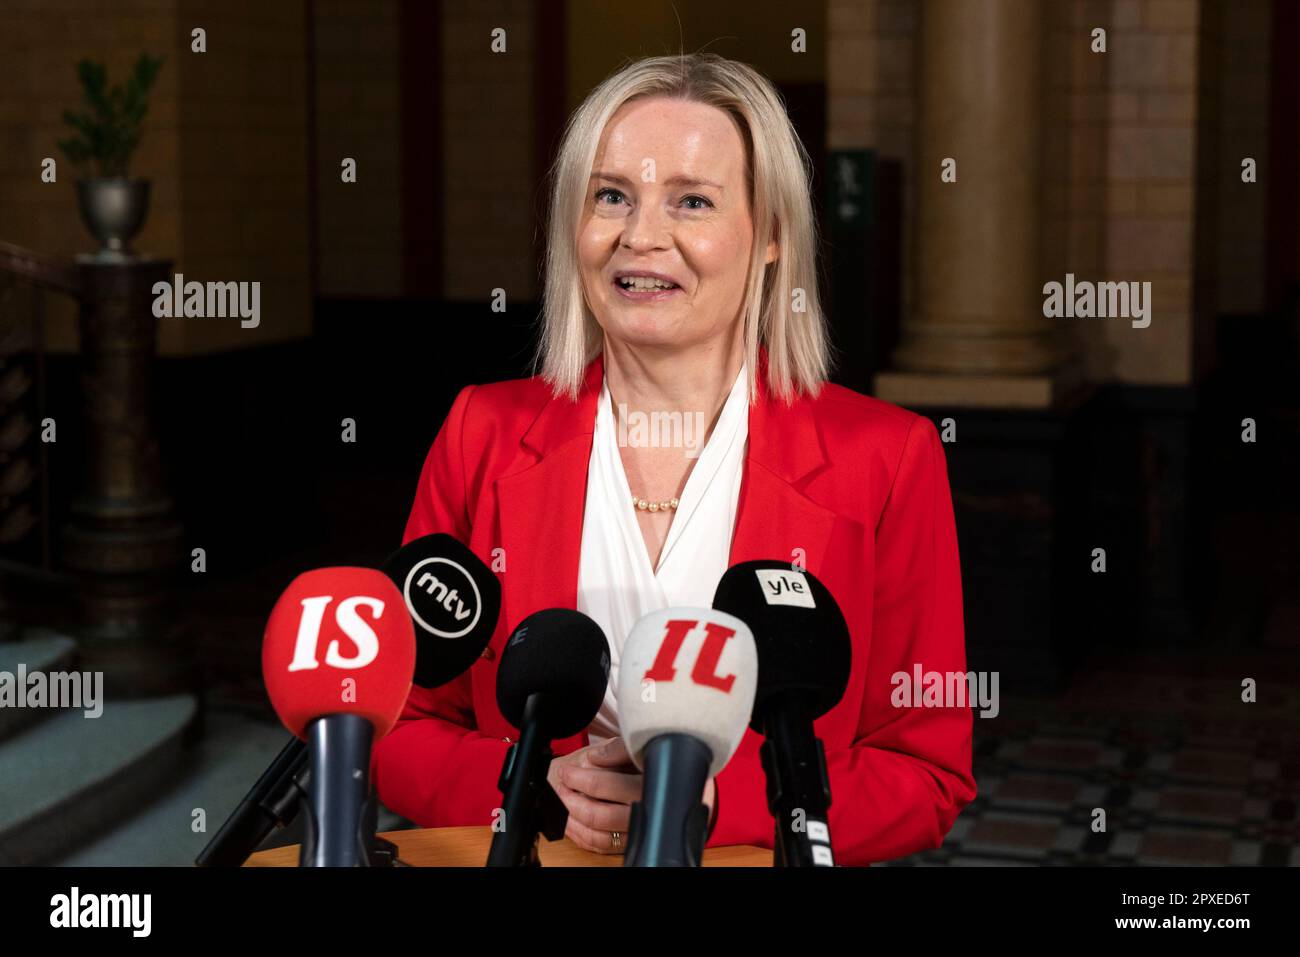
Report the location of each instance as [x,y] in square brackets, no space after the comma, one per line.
[123,540]
[977,335]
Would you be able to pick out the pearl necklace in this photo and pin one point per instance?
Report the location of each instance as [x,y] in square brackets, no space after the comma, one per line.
[645,506]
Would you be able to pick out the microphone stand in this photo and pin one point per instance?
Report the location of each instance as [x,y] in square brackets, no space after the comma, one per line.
[531,804]
[670,825]
[794,761]
[272,803]
[337,798]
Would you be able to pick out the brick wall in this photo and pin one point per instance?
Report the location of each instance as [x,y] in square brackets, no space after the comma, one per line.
[38,81]
[229,193]
[358,114]
[243,183]
[1245,58]
[1076,120]
[1150,177]
[488,175]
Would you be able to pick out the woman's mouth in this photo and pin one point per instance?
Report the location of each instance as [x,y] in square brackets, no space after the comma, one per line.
[645,288]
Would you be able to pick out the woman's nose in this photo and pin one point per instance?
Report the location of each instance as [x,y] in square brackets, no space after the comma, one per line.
[647,227]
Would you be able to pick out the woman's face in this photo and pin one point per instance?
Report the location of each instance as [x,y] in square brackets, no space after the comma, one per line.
[665,235]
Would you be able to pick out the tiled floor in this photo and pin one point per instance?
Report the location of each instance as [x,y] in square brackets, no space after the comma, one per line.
[1184,771]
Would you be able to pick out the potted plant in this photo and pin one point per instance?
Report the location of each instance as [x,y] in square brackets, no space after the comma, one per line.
[113,206]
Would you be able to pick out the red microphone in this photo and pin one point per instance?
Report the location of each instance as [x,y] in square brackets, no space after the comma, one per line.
[338,657]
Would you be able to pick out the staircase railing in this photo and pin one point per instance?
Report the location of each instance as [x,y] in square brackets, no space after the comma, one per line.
[120,546]
[26,554]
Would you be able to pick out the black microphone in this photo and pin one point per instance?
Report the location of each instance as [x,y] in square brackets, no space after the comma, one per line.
[454,601]
[804,656]
[550,683]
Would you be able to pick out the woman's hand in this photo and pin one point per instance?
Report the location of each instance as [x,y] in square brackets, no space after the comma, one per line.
[598,784]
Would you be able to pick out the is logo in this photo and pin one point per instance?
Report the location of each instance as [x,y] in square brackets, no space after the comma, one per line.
[443,597]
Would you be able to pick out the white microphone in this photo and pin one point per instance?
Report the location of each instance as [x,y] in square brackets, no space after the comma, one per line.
[686,686]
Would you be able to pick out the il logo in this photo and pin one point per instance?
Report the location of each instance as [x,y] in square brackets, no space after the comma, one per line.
[706,662]
[363,637]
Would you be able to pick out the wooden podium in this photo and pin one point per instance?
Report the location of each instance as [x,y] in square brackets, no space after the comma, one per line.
[468,847]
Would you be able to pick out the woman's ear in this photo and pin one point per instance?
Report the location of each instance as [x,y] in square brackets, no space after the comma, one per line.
[774,247]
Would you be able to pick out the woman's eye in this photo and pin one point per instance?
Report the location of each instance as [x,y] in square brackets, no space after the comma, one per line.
[697,199]
[607,192]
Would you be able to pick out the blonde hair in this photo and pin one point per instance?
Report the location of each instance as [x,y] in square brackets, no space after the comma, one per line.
[778,173]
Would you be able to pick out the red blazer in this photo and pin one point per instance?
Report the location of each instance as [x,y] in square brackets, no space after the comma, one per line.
[854,488]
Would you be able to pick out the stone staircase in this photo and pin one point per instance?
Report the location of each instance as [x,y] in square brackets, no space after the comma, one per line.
[65,777]
[145,784]
[212,777]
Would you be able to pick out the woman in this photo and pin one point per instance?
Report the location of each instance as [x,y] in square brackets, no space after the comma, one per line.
[681,288]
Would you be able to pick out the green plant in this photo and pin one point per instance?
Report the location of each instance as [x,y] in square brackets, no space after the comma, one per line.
[109,131]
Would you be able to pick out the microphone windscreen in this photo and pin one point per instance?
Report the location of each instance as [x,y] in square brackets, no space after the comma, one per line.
[454,601]
[802,638]
[687,671]
[339,641]
[562,655]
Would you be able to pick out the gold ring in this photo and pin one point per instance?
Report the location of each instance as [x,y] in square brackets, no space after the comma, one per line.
[618,839]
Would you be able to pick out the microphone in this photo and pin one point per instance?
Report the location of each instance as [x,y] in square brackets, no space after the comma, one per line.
[550,683]
[685,693]
[337,657]
[454,602]
[804,656]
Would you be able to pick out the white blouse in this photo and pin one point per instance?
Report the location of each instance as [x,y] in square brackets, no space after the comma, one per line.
[616,584]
